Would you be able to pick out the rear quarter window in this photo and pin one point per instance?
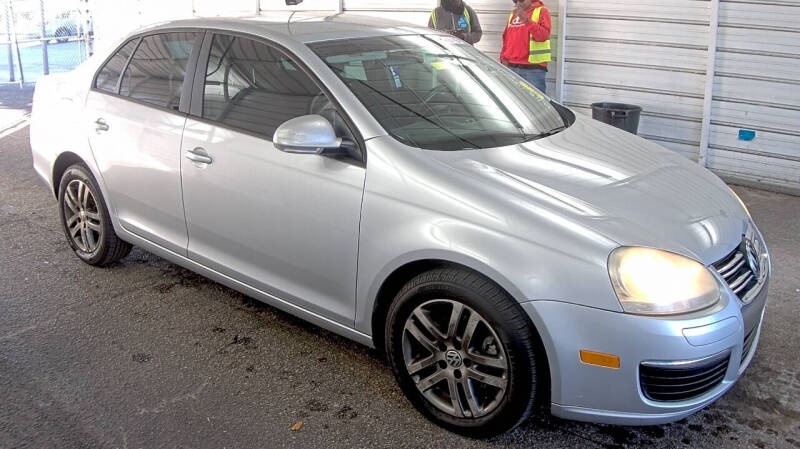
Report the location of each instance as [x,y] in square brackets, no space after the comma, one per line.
[157,69]
[108,77]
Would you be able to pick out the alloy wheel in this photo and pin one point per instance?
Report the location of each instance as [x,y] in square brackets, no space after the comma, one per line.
[455,358]
[82,217]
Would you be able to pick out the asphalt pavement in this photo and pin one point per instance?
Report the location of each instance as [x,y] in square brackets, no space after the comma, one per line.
[15,105]
[147,354]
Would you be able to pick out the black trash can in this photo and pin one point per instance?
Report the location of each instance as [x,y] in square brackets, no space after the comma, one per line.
[622,116]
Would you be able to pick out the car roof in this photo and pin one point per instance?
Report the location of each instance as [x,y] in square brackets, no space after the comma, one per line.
[301,27]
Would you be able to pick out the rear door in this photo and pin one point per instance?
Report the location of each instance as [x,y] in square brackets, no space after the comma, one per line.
[284,223]
[136,112]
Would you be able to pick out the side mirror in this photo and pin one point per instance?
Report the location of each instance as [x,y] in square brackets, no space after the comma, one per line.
[309,134]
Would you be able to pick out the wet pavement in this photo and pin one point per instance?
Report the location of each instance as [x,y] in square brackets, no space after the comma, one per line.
[147,354]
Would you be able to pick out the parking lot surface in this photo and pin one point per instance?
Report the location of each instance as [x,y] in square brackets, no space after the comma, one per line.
[146,354]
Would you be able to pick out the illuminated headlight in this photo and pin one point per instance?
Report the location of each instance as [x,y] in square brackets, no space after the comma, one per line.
[654,282]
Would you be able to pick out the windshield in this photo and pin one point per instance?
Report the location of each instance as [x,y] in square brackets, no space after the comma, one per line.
[438,92]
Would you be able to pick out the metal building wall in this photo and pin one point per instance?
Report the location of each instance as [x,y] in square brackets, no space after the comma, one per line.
[649,52]
[757,88]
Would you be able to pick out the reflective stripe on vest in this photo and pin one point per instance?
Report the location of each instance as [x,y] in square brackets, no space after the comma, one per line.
[466,16]
[540,52]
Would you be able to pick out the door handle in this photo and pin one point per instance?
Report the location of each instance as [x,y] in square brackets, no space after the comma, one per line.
[101,125]
[198,155]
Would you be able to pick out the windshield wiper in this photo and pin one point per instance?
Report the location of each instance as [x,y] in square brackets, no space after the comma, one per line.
[550,133]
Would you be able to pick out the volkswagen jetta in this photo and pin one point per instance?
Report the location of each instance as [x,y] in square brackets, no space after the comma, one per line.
[400,188]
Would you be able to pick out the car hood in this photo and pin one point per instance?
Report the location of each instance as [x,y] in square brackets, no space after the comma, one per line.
[626,188]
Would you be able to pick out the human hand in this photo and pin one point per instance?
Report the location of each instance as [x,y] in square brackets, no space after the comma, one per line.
[519,11]
[461,34]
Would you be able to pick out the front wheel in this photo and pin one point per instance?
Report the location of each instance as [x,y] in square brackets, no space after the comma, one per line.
[463,352]
[85,219]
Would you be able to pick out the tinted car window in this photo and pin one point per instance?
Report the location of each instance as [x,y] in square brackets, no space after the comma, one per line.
[156,72]
[439,93]
[109,75]
[254,87]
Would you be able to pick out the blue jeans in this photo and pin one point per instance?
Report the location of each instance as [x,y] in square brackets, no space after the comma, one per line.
[536,77]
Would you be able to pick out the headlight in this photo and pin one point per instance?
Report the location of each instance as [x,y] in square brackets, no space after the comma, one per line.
[654,282]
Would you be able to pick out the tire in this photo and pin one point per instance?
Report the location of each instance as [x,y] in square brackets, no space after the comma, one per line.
[502,335]
[85,219]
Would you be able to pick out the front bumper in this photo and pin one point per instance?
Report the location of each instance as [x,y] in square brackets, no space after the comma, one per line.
[614,396]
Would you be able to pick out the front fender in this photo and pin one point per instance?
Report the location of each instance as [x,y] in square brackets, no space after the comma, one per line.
[528,271]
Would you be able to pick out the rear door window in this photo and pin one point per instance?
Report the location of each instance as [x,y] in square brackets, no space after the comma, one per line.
[157,69]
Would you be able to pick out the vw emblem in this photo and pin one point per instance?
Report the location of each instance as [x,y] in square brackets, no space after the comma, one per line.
[752,257]
[453,358]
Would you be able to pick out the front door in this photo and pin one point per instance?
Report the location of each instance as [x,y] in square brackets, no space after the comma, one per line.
[134,111]
[284,223]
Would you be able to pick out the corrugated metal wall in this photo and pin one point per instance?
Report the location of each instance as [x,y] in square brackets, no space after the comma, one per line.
[757,88]
[647,52]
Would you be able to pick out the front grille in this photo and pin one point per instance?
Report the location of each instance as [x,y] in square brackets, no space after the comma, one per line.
[748,343]
[738,270]
[679,381]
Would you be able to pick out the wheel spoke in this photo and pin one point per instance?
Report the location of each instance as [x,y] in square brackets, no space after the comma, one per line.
[83,195]
[93,215]
[91,242]
[455,315]
[71,221]
[418,366]
[474,319]
[428,382]
[456,402]
[77,237]
[80,196]
[71,200]
[412,329]
[74,230]
[494,362]
[487,379]
[85,239]
[428,325]
[474,408]
[94,226]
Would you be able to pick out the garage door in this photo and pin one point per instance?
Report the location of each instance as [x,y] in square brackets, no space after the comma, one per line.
[755,116]
[650,53]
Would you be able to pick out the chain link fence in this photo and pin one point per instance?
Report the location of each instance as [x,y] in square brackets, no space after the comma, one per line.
[38,37]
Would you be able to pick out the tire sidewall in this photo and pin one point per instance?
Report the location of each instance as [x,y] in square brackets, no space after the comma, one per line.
[80,172]
[522,372]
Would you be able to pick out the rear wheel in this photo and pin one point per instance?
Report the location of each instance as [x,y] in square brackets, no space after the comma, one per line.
[463,352]
[85,219]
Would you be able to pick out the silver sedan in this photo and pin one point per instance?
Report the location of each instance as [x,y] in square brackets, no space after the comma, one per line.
[400,188]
